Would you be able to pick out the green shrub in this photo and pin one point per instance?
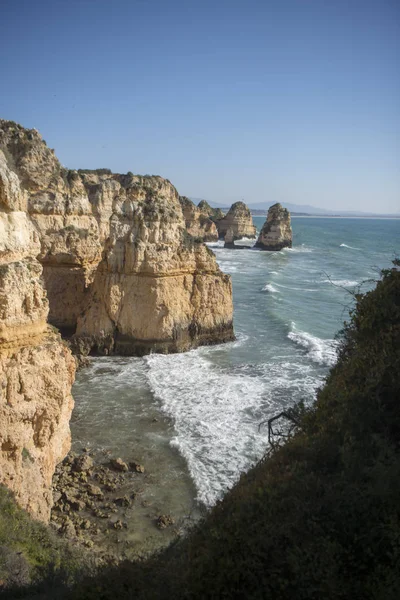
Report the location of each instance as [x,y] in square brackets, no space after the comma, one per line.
[95,171]
[32,553]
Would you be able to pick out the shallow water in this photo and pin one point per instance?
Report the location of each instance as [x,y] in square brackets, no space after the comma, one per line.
[192,419]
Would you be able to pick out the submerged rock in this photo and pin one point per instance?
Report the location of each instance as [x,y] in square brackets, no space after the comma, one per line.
[137,467]
[164,521]
[276,232]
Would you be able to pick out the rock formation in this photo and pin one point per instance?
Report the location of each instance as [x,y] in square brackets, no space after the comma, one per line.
[198,224]
[36,368]
[229,239]
[215,214]
[238,219]
[230,242]
[276,232]
[120,269]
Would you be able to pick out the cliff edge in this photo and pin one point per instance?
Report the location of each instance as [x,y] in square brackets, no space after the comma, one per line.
[36,369]
[122,273]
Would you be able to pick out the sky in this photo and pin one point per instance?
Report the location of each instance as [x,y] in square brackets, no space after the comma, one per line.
[263,100]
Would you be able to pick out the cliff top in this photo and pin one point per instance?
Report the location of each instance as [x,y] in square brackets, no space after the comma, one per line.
[39,169]
[278,208]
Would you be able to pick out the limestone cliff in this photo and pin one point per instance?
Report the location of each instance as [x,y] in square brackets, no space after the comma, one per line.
[215,214]
[198,224]
[36,369]
[120,269]
[276,232]
[156,287]
[239,220]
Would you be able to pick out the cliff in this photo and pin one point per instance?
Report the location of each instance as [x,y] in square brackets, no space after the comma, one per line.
[121,272]
[239,221]
[276,232]
[36,369]
[197,223]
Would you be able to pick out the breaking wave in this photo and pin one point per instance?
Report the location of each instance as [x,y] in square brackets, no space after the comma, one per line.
[323,352]
[268,287]
[346,246]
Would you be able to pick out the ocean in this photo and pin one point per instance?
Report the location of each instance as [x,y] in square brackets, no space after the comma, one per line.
[193,419]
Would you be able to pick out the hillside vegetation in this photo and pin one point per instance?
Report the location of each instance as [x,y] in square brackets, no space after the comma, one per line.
[319,516]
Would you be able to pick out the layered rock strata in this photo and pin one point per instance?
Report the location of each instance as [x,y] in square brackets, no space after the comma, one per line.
[198,224]
[120,269]
[276,232]
[36,368]
[239,220]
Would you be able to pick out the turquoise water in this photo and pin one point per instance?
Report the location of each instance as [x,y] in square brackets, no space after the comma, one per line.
[288,307]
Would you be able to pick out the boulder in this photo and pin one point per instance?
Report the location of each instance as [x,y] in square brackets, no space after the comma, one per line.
[119,465]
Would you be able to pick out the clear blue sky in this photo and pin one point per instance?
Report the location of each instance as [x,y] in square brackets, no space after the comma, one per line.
[286,100]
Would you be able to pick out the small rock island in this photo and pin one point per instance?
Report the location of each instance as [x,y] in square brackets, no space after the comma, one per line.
[239,220]
[276,232]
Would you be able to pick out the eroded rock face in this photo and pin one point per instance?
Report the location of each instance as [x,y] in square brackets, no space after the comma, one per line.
[156,288]
[276,232]
[120,269]
[197,223]
[239,221]
[36,369]
[215,214]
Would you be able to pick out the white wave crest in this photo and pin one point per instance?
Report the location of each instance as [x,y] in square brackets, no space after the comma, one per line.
[346,246]
[216,244]
[297,289]
[301,248]
[268,287]
[323,352]
[341,282]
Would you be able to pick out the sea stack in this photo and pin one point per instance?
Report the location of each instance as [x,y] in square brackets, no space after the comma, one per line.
[198,224]
[276,232]
[238,219]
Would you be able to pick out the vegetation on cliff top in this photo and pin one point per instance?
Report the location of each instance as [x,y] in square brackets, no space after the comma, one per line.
[31,552]
[319,516]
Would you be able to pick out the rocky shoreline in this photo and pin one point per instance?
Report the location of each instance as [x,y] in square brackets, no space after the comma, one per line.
[98,499]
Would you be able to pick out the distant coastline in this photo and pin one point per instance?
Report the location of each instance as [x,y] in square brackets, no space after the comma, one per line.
[372,217]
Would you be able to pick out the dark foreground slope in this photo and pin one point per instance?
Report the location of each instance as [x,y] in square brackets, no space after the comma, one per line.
[319,517]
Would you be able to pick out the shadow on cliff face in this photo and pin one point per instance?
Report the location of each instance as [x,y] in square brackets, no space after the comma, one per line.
[319,516]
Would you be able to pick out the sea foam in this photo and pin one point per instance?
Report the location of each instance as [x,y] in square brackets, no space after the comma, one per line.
[323,352]
[216,411]
[346,246]
[268,287]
